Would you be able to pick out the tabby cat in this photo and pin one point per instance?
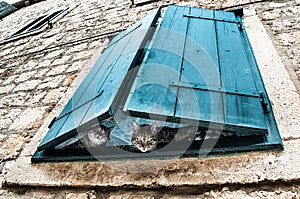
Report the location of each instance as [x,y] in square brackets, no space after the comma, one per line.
[146,137]
[95,137]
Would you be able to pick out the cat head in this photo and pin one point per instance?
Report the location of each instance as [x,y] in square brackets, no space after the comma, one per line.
[144,137]
[95,137]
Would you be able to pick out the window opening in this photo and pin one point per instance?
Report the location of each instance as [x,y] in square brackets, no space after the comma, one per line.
[37,25]
[6,9]
[156,92]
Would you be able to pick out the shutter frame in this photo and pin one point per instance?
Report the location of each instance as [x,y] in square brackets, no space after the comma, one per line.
[73,115]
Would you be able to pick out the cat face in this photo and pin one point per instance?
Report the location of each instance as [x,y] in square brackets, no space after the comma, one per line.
[95,137]
[144,138]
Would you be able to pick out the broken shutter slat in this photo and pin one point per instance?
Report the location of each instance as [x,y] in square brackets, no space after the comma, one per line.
[151,92]
[96,94]
[200,66]
[237,74]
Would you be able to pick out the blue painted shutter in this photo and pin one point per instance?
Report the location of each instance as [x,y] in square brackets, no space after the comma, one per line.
[200,69]
[97,96]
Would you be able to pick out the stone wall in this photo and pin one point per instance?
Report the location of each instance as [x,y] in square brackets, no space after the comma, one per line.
[36,71]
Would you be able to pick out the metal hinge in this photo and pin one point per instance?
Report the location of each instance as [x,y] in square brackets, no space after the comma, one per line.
[52,122]
[264,103]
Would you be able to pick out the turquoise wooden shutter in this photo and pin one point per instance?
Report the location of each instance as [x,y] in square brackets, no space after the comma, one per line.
[200,69]
[97,96]
[196,67]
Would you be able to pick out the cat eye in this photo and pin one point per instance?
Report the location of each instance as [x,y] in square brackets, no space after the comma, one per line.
[151,143]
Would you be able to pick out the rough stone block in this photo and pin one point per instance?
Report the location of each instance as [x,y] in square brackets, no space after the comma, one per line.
[54,54]
[61,60]
[77,66]
[78,48]
[70,78]
[56,70]
[289,38]
[82,55]
[86,195]
[44,63]
[6,89]
[54,95]
[28,85]
[34,98]
[13,145]
[52,82]
[30,118]
[14,99]
[7,117]
[25,76]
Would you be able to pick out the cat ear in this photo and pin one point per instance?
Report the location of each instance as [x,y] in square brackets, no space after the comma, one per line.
[153,127]
[136,127]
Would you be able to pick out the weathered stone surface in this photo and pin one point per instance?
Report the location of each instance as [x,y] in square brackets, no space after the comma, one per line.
[285,25]
[269,15]
[77,66]
[29,119]
[13,145]
[70,78]
[2,137]
[277,5]
[51,82]
[7,117]
[54,95]
[44,63]
[289,38]
[5,52]
[86,195]
[78,48]
[34,98]
[54,54]
[41,73]
[27,66]
[57,70]
[28,85]
[6,89]
[24,76]
[15,99]
[61,60]
[82,55]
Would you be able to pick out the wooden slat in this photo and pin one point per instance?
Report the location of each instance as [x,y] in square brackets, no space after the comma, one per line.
[200,66]
[236,74]
[150,93]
